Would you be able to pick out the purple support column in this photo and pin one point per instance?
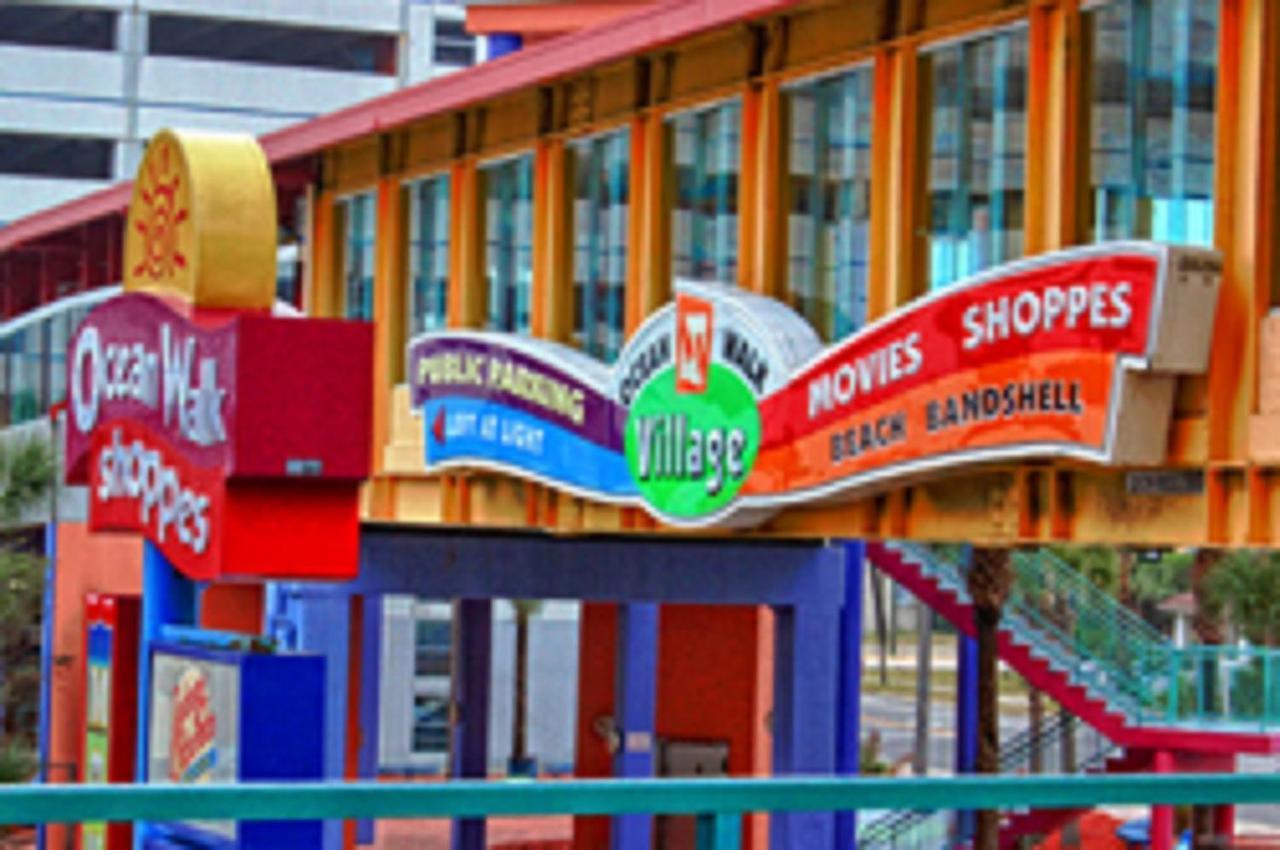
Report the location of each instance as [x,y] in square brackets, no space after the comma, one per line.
[324,628]
[807,644]
[635,701]
[966,719]
[849,715]
[469,743]
[370,689]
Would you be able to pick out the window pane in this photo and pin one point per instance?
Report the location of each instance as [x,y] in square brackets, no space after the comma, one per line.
[429,255]
[361,224]
[508,223]
[704,222]
[830,197]
[26,374]
[601,172]
[60,329]
[430,724]
[977,137]
[432,647]
[1152,120]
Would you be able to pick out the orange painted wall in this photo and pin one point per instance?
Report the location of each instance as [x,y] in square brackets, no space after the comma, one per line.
[232,608]
[106,563]
[715,682]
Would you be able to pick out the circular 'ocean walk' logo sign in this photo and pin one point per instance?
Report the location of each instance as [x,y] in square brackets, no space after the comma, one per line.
[689,451]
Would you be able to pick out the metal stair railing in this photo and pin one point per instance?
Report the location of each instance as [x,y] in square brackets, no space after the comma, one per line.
[938,830]
[1115,655]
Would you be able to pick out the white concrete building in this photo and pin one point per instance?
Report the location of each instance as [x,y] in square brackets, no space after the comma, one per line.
[83,83]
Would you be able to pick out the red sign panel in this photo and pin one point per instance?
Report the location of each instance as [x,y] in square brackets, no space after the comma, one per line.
[187,430]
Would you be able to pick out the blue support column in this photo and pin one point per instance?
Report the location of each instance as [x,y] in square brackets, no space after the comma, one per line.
[46,662]
[635,706]
[324,628]
[370,689]
[966,719]
[473,659]
[849,714]
[807,646]
[168,598]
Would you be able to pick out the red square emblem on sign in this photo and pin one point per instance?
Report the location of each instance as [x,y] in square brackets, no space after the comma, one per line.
[693,343]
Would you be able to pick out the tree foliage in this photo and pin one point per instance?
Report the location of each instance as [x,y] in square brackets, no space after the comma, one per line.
[1244,587]
[26,477]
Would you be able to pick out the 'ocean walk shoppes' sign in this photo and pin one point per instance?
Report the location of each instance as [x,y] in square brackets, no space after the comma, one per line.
[724,406]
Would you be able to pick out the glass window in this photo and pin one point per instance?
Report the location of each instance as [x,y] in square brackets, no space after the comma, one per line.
[830,201]
[977,160]
[704,222]
[601,193]
[432,647]
[26,373]
[430,723]
[453,44]
[508,220]
[361,226]
[60,330]
[1151,113]
[429,254]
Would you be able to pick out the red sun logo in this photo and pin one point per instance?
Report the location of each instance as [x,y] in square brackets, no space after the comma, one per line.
[159,217]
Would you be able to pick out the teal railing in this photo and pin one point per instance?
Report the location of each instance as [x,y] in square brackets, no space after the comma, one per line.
[717,803]
[1116,655]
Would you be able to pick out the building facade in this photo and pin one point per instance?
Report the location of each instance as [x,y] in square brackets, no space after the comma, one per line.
[84,84]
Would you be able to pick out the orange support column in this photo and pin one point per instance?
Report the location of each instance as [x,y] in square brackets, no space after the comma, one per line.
[390,317]
[319,298]
[1243,167]
[1056,162]
[636,233]
[769,231]
[896,262]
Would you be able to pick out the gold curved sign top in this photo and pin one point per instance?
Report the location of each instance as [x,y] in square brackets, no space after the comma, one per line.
[202,222]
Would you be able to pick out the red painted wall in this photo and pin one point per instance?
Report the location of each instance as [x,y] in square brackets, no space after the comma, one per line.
[715,683]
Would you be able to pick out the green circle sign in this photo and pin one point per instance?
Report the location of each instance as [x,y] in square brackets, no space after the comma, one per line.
[690,452]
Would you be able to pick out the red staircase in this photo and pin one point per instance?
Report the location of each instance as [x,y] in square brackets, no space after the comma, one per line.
[1048,821]
[1036,669]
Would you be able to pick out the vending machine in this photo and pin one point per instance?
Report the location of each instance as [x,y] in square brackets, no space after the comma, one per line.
[227,716]
[110,734]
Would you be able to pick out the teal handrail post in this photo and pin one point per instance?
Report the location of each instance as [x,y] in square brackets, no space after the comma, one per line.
[1175,667]
[720,831]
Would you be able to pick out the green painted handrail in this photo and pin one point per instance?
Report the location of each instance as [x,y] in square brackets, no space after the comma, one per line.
[28,804]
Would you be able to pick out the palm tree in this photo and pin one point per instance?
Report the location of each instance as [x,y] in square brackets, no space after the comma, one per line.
[989,580]
[26,479]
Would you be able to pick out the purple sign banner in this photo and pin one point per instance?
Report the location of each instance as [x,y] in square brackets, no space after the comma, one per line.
[550,382]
